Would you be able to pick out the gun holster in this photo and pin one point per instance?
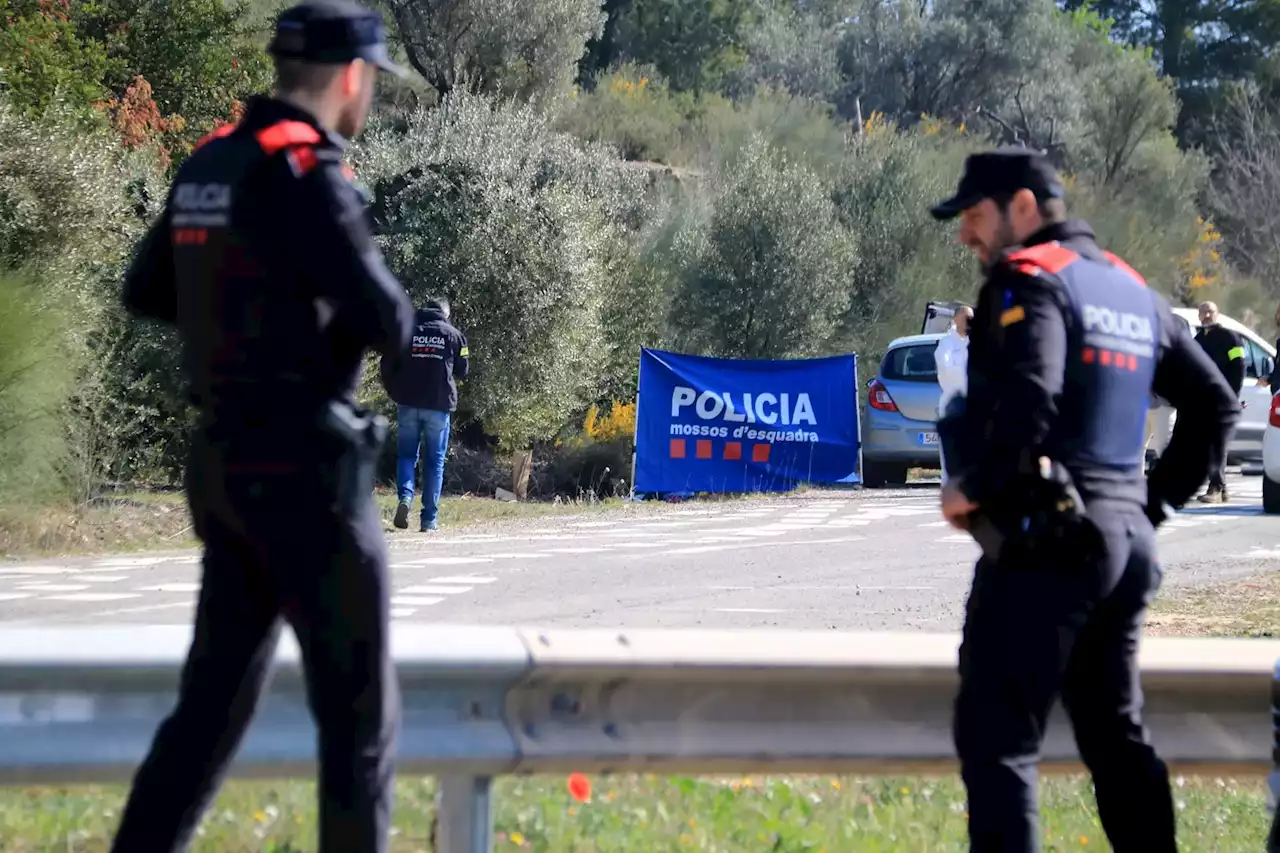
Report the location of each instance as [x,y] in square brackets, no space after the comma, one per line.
[1045,523]
[359,435]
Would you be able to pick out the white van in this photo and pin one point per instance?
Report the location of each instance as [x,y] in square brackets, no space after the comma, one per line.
[1259,359]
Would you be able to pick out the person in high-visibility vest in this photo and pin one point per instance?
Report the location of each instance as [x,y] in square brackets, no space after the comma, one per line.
[1226,348]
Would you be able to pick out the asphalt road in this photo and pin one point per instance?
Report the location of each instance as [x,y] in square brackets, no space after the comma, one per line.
[839,560]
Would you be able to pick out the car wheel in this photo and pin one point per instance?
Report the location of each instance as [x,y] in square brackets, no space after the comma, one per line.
[1270,496]
[877,475]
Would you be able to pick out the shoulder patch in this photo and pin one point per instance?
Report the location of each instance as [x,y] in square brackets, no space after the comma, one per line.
[1009,316]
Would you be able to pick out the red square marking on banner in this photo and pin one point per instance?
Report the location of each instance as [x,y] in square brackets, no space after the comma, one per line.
[760,453]
[704,448]
[1089,355]
[1133,363]
[1106,358]
[677,448]
[733,451]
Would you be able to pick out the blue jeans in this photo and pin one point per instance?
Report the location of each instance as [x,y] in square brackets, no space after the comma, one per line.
[426,430]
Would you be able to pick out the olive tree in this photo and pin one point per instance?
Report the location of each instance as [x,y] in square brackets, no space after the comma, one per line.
[522,230]
[764,271]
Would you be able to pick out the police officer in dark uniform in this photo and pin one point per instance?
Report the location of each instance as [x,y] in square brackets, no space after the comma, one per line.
[264,262]
[1066,347]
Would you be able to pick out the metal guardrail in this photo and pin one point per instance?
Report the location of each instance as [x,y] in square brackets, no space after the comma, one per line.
[82,704]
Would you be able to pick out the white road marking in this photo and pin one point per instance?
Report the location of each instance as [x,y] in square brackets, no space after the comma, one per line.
[638,544]
[15,596]
[746,610]
[141,562]
[1258,554]
[92,596]
[519,556]
[957,537]
[402,612]
[461,579]
[732,588]
[449,561]
[414,601]
[897,588]
[706,549]
[94,578]
[39,570]
[171,587]
[102,614]
[594,550]
[53,587]
[438,590]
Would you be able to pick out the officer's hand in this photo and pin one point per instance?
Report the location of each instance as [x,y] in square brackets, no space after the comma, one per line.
[955,506]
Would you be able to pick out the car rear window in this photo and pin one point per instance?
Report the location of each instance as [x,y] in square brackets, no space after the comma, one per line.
[911,364]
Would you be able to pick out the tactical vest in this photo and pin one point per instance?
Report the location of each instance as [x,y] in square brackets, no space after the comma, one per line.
[1113,341]
[234,321]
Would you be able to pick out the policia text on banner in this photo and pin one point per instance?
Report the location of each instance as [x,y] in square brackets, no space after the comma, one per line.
[724,425]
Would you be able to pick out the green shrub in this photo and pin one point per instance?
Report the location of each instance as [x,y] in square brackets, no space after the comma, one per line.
[521,228]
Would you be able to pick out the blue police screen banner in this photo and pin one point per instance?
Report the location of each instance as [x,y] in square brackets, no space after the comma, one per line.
[726,425]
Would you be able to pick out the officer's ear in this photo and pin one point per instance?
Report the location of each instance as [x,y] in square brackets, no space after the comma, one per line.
[353,77]
[1024,213]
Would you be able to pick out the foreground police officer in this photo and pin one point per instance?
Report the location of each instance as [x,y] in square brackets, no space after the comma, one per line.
[1066,346]
[264,262]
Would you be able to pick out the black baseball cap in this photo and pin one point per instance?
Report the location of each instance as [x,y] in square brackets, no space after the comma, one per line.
[332,31]
[1000,174]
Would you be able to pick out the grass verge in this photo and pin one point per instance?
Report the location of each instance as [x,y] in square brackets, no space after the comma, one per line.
[788,815]
[159,520]
[1248,607]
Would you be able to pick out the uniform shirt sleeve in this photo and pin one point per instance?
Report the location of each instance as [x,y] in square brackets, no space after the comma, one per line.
[462,358]
[1013,392]
[150,287]
[1207,411]
[332,238]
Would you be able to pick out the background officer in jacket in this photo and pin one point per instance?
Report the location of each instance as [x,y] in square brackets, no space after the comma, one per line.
[263,260]
[422,386]
[1066,346]
[1226,349]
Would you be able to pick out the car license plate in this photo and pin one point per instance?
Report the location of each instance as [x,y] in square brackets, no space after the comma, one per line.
[928,438]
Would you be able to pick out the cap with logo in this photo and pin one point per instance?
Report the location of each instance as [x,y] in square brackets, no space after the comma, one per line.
[1000,174]
[332,32]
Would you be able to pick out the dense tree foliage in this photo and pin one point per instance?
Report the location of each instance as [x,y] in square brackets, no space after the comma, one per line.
[582,178]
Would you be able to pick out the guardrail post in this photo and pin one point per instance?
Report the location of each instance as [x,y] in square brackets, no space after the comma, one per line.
[464,815]
[1273,839]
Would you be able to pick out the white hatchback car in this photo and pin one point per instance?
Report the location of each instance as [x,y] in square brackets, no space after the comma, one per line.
[1271,460]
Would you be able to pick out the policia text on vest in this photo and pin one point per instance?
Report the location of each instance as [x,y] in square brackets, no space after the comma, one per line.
[1045,456]
[264,262]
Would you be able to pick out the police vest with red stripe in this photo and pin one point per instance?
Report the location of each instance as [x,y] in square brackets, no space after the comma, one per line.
[1113,342]
[224,281]
[296,139]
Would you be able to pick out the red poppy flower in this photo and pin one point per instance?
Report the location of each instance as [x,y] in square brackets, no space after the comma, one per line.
[579,787]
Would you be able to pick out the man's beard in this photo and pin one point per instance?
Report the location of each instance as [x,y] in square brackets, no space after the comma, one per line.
[1004,240]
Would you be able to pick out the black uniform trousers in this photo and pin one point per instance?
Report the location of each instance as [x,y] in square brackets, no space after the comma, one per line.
[277,551]
[1218,464]
[1034,632]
